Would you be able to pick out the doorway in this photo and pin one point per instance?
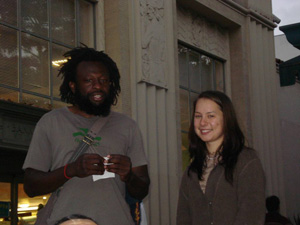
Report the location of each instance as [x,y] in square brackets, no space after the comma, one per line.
[16,208]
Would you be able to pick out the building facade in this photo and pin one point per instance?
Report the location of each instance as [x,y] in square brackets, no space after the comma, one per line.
[289,109]
[167,53]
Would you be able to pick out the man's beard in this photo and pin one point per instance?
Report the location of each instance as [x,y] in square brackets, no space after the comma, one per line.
[84,104]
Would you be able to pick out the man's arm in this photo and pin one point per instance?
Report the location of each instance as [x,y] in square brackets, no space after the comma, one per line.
[37,182]
[137,178]
[138,182]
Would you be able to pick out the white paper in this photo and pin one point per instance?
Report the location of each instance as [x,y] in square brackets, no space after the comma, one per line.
[105,175]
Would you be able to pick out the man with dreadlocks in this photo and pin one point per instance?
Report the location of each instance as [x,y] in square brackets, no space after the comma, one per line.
[91,84]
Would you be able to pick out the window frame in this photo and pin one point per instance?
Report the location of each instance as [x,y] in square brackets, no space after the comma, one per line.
[50,42]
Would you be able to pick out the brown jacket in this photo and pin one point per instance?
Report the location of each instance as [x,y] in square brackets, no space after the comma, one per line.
[242,203]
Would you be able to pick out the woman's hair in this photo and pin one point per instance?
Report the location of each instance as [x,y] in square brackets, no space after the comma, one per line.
[69,70]
[73,217]
[233,142]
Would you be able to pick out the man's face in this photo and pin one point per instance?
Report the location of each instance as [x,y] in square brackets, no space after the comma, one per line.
[92,88]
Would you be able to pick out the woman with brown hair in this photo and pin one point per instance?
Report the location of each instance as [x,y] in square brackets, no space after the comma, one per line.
[224,184]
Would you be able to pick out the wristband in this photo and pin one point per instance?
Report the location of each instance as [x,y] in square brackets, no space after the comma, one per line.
[65,174]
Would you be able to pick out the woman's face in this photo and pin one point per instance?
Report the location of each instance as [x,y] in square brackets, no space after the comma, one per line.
[208,123]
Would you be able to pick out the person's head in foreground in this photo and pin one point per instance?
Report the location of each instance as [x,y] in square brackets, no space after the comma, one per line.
[272,204]
[76,219]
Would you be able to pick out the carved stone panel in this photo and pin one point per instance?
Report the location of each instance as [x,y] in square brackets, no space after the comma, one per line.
[15,132]
[17,123]
[199,32]
[153,42]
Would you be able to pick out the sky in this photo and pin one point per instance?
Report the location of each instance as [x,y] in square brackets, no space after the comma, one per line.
[286,10]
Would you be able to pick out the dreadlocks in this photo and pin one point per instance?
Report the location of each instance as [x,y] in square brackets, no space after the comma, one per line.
[69,70]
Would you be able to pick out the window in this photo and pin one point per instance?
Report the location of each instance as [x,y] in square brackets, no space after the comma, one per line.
[197,72]
[34,34]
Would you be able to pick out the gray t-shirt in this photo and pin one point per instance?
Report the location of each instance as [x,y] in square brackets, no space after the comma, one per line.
[56,137]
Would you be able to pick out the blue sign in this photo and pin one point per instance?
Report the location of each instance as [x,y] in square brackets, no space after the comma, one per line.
[4,209]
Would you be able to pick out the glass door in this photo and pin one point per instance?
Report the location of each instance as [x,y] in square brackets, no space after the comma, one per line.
[28,207]
[16,208]
[5,203]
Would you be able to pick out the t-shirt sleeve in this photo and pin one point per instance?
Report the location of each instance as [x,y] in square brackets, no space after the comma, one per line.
[39,152]
[136,150]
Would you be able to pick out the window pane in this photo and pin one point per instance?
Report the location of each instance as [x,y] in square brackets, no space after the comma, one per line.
[35,64]
[9,95]
[57,61]
[206,73]
[28,207]
[8,56]
[63,21]
[4,192]
[184,110]
[219,76]
[194,71]
[5,198]
[193,97]
[59,104]
[36,101]
[183,66]
[86,23]
[8,11]
[185,150]
[35,16]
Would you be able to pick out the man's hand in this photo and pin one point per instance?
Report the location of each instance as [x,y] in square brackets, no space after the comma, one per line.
[86,165]
[136,178]
[119,164]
